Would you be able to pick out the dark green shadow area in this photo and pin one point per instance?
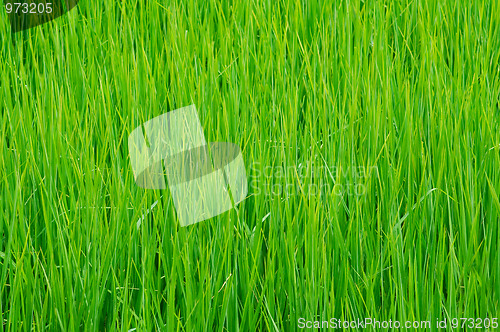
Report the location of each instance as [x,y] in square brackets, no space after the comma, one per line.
[26,14]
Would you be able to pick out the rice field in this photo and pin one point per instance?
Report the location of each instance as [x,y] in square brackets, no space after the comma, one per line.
[370,133]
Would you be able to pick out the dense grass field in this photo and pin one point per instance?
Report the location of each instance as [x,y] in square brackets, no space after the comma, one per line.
[371,137]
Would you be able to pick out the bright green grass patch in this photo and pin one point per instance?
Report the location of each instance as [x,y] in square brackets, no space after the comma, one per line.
[409,89]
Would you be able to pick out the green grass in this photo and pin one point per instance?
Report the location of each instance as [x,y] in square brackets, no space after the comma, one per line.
[409,89]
